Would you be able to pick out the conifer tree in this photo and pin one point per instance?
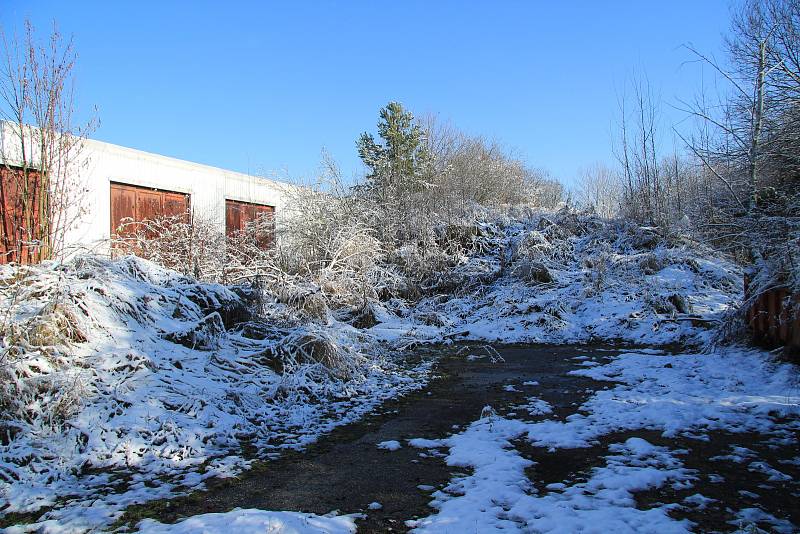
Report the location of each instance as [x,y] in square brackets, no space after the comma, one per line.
[397,164]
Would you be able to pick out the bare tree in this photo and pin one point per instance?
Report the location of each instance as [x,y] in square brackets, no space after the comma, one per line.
[41,144]
[644,195]
[470,170]
[599,189]
[748,141]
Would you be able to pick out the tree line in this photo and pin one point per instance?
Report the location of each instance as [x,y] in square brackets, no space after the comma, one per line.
[732,180]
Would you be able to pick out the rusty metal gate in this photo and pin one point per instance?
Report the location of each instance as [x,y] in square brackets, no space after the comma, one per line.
[23,201]
[137,204]
[238,214]
[774,319]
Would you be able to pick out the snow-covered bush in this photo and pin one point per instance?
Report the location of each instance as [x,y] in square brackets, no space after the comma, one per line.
[198,248]
[121,364]
[344,251]
[604,280]
[37,384]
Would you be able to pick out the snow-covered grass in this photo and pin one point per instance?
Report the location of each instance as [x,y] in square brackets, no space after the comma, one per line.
[255,522]
[572,278]
[123,384]
[735,390]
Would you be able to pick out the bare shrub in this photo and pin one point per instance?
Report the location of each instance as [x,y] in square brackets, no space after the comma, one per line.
[41,152]
[172,243]
[545,246]
[649,264]
[468,171]
[532,272]
[199,248]
[319,347]
[599,189]
[746,140]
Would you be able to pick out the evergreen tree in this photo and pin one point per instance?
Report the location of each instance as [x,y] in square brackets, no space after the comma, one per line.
[396,166]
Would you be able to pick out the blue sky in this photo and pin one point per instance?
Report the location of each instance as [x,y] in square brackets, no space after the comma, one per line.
[260,87]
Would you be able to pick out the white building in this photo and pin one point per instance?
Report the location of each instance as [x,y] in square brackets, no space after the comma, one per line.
[118,182]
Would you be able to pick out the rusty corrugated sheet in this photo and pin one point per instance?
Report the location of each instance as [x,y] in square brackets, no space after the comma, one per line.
[238,214]
[233,217]
[22,206]
[175,205]
[774,319]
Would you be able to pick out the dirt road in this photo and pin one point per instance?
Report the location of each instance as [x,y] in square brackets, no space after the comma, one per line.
[346,471]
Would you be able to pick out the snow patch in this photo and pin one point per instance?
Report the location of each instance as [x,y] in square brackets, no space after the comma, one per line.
[254,522]
[731,389]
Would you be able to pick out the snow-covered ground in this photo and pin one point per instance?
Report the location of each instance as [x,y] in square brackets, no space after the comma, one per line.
[687,395]
[134,384]
[255,522]
[152,395]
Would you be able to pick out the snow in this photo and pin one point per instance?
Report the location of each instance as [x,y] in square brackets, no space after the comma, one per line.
[699,501]
[747,517]
[498,496]
[773,474]
[163,392]
[374,506]
[254,522]
[734,389]
[422,443]
[535,406]
[167,415]
[685,394]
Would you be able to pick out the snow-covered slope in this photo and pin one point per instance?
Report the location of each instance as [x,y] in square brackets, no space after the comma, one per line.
[567,277]
[121,379]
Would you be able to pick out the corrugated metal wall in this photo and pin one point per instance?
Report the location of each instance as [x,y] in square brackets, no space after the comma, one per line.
[21,207]
[143,203]
[774,319]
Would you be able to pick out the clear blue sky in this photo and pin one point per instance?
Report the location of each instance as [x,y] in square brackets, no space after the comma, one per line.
[265,86]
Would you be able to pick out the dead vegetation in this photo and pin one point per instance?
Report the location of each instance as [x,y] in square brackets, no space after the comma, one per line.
[121,364]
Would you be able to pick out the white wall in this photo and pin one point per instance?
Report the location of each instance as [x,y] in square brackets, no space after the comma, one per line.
[208,187]
[103,163]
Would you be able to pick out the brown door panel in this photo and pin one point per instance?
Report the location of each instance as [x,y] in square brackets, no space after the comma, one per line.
[123,206]
[145,204]
[21,209]
[176,205]
[238,214]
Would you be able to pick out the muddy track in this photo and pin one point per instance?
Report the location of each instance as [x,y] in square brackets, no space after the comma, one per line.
[346,471]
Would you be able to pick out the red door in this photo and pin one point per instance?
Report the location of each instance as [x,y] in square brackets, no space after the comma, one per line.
[138,204]
[22,209]
[239,214]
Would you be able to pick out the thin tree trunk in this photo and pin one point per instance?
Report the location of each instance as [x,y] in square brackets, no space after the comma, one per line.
[758,112]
